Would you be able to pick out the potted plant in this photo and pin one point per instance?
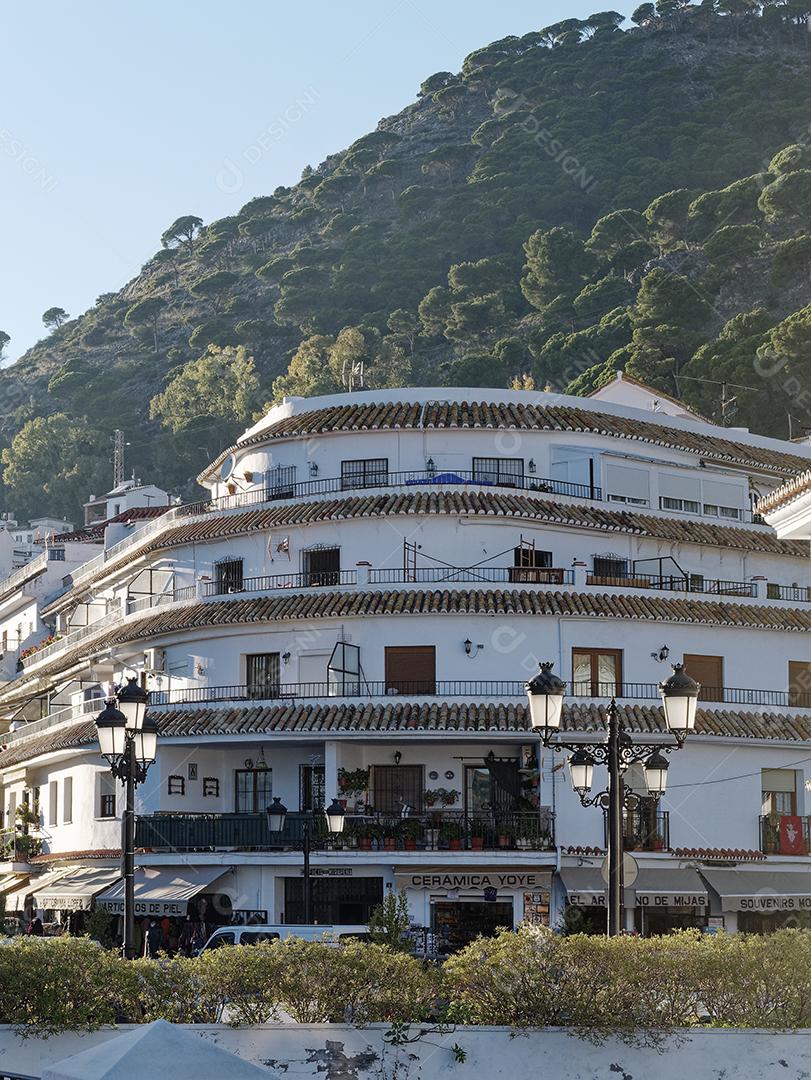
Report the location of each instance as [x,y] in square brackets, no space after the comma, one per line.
[365,835]
[448,796]
[26,845]
[657,842]
[477,830]
[452,833]
[390,837]
[411,832]
[27,814]
[352,782]
[505,834]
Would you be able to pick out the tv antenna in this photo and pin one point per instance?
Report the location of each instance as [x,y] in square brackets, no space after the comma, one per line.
[728,402]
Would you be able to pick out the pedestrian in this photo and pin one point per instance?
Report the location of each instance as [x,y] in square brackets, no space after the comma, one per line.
[35,928]
[152,942]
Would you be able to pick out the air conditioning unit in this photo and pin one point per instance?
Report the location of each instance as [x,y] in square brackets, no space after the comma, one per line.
[155,660]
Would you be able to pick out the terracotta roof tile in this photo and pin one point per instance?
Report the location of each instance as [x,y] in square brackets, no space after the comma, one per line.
[786,493]
[420,717]
[523,417]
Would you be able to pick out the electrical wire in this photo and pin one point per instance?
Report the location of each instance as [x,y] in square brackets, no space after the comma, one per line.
[741,776]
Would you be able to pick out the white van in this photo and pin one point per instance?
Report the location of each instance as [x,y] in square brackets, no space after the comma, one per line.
[252,935]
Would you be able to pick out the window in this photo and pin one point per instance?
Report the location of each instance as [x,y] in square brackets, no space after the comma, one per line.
[410,669]
[228,576]
[262,675]
[531,565]
[627,485]
[254,790]
[253,937]
[280,482]
[396,787]
[53,802]
[681,506]
[364,473]
[779,791]
[312,789]
[507,472]
[12,810]
[607,567]
[177,785]
[105,795]
[712,510]
[709,672]
[597,672]
[67,800]
[56,554]
[322,566]
[526,556]
[799,684]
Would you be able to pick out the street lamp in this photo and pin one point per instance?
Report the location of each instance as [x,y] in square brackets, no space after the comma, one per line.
[335,816]
[617,751]
[128,739]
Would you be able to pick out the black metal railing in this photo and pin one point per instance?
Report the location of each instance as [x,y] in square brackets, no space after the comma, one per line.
[468,688]
[644,829]
[799,594]
[781,834]
[268,582]
[447,830]
[437,575]
[689,583]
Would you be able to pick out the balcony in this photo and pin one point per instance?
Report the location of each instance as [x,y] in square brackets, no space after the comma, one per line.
[687,583]
[644,829]
[441,831]
[783,834]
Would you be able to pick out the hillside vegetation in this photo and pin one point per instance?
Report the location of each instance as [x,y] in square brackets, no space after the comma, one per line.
[574,201]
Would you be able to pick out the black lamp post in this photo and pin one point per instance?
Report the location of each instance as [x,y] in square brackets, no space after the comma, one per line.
[617,751]
[128,739]
[335,815]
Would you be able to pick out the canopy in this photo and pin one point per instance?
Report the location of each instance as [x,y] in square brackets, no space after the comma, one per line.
[761,890]
[8,882]
[75,889]
[161,890]
[15,901]
[669,887]
[152,1052]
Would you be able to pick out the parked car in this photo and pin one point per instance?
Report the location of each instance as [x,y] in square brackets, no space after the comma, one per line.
[253,935]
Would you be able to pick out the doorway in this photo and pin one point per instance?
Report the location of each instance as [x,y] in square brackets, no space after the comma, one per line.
[455,923]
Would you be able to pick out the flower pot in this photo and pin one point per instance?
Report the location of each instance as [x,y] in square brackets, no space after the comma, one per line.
[504,841]
[432,838]
[343,802]
[410,845]
[365,843]
[477,843]
[389,843]
[455,845]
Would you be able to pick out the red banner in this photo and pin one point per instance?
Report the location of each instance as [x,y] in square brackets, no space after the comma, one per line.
[792,841]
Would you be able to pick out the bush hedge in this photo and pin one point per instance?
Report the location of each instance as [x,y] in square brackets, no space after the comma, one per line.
[629,987]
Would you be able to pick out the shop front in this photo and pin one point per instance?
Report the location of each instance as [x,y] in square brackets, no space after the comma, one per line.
[761,901]
[339,896]
[458,905]
[660,900]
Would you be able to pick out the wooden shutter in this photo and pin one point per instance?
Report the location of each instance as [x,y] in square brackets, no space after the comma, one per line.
[799,684]
[709,672]
[411,669]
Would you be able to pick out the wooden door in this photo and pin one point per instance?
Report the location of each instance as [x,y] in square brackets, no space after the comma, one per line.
[709,672]
[411,669]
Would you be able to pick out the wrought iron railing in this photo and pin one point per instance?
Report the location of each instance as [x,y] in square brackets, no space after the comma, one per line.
[439,575]
[644,829]
[689,583]
[782,834]
[798,594]
[446,830]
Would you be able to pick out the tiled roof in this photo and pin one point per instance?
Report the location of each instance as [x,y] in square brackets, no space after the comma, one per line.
[721,854]
[521,417]
[95,533]
[402,717]
[786,493]
[362,604]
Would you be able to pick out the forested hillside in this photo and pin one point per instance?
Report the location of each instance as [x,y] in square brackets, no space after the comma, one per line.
[574,201]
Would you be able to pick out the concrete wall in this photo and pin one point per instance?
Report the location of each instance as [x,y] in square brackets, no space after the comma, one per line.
[338,1052]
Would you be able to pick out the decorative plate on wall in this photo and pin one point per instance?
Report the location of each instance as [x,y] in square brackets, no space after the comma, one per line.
[433,775]
[449,774]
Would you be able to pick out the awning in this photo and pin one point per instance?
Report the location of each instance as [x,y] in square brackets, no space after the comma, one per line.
[74,890]
[10,882]
[15,901]
[161,890]
[761,890]
[669,887]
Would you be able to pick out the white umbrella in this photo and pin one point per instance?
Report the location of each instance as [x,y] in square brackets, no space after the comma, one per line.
[154,1052]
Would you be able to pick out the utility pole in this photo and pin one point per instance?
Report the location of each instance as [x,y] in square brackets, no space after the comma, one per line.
[118,457]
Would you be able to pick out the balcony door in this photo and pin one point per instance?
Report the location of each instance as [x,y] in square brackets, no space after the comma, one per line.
[492,789]
[253,790]
[709,672]
[597,672]
[322,566]
[262,675]
[228,576]
[799,684]
[397,789]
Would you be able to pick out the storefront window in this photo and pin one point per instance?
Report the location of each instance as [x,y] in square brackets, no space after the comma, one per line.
[342,901]
[455,923]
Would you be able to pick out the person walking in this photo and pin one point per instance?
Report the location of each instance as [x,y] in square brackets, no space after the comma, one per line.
[36,928]
[152,941]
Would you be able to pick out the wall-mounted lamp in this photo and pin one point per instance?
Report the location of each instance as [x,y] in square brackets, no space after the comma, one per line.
[661,655]
[470,648]
[531,465]
[285,657]
[430,466]
[398,757]
[313,469]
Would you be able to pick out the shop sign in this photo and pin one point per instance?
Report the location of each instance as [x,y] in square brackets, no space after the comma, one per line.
[440,880]
[148,907]
[329,871]
[671,899]
[767,903]
[62,903]
[587,899]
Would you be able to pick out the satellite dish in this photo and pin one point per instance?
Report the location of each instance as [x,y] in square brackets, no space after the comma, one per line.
[227,467]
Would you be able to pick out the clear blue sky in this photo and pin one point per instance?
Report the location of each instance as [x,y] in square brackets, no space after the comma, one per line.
[118,117]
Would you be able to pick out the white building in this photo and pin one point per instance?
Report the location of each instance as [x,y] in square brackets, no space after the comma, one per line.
[360,599]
